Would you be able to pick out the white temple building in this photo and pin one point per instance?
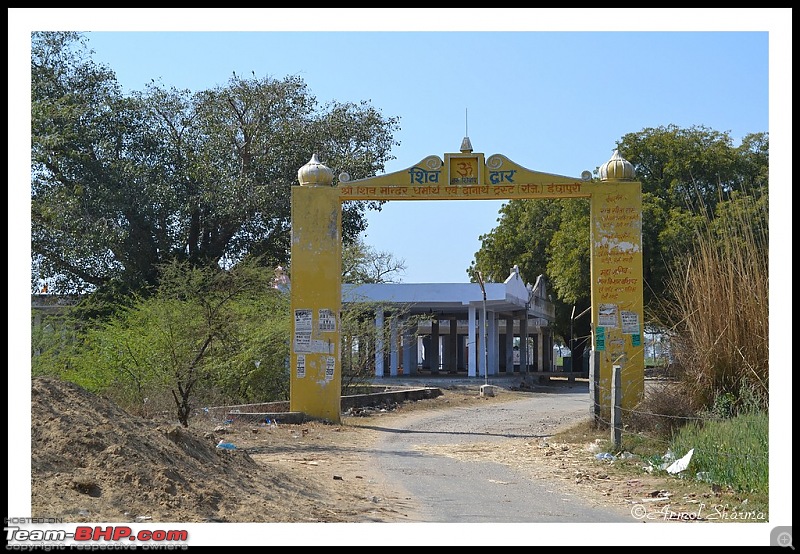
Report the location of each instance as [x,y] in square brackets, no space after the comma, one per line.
[441,327]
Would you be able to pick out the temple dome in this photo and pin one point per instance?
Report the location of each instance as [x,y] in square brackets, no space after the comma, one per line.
[617,169]
[315,173]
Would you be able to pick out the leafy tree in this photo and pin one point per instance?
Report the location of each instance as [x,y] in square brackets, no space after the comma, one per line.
[123,184]
[568,256]
[76,112]
[544,237]
[511,242]
[687,173]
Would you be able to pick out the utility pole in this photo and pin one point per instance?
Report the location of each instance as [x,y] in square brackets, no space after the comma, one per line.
[572,339]
[485,331]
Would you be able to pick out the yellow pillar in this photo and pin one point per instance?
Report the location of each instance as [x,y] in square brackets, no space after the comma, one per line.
[617,281]
[316,294]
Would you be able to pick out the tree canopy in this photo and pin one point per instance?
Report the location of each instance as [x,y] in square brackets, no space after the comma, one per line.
[122,184]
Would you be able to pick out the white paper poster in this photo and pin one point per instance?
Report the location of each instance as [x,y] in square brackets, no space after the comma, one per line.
[607,316]
[327,320]
[302,330]
[630,322]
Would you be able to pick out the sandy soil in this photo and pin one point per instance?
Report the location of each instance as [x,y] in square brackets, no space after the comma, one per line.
[93,462]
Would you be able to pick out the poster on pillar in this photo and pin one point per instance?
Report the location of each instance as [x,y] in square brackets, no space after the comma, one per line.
[327,320]
[617,285]
[302,330]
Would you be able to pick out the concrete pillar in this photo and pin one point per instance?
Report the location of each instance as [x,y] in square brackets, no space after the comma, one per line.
[541,361]
[472,362]
[617,337]
[523,346]
[409,350]
[315,372]
[462,343]
[481,346]
[509,345]
[379,343]
[393,353]
[434,354]
[494,357]
[452,351]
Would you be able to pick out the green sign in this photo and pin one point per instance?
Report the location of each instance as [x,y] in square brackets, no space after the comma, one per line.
[600,338]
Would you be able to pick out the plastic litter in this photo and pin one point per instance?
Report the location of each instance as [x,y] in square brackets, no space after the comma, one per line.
[666,460]
[604,456]
[226,445]
[680,465]
[703,476]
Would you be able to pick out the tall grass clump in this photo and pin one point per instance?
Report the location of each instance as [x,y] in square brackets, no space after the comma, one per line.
[719,310]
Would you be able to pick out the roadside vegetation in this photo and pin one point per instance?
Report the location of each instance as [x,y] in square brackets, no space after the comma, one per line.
[715,403]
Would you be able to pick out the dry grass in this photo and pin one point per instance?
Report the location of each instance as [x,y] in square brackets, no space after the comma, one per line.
[720,318]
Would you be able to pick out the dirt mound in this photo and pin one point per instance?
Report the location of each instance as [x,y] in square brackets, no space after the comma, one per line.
[92,461]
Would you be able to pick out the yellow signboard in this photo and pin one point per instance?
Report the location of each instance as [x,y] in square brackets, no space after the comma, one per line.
[463,177]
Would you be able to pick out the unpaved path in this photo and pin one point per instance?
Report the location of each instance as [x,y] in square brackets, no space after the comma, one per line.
[482,463]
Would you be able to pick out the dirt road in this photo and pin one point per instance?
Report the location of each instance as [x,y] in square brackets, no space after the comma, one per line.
[468,464]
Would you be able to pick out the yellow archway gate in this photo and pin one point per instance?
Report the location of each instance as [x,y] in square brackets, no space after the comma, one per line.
[316,258]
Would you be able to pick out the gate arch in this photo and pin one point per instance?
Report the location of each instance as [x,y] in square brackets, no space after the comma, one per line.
[316,288]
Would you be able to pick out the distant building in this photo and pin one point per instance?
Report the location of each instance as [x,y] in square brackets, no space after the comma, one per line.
[450,336]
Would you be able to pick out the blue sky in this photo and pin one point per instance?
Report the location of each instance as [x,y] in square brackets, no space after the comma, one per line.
[553,101]
[551,89]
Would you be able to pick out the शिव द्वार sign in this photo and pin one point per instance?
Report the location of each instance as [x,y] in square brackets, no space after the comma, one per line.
[463,177]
